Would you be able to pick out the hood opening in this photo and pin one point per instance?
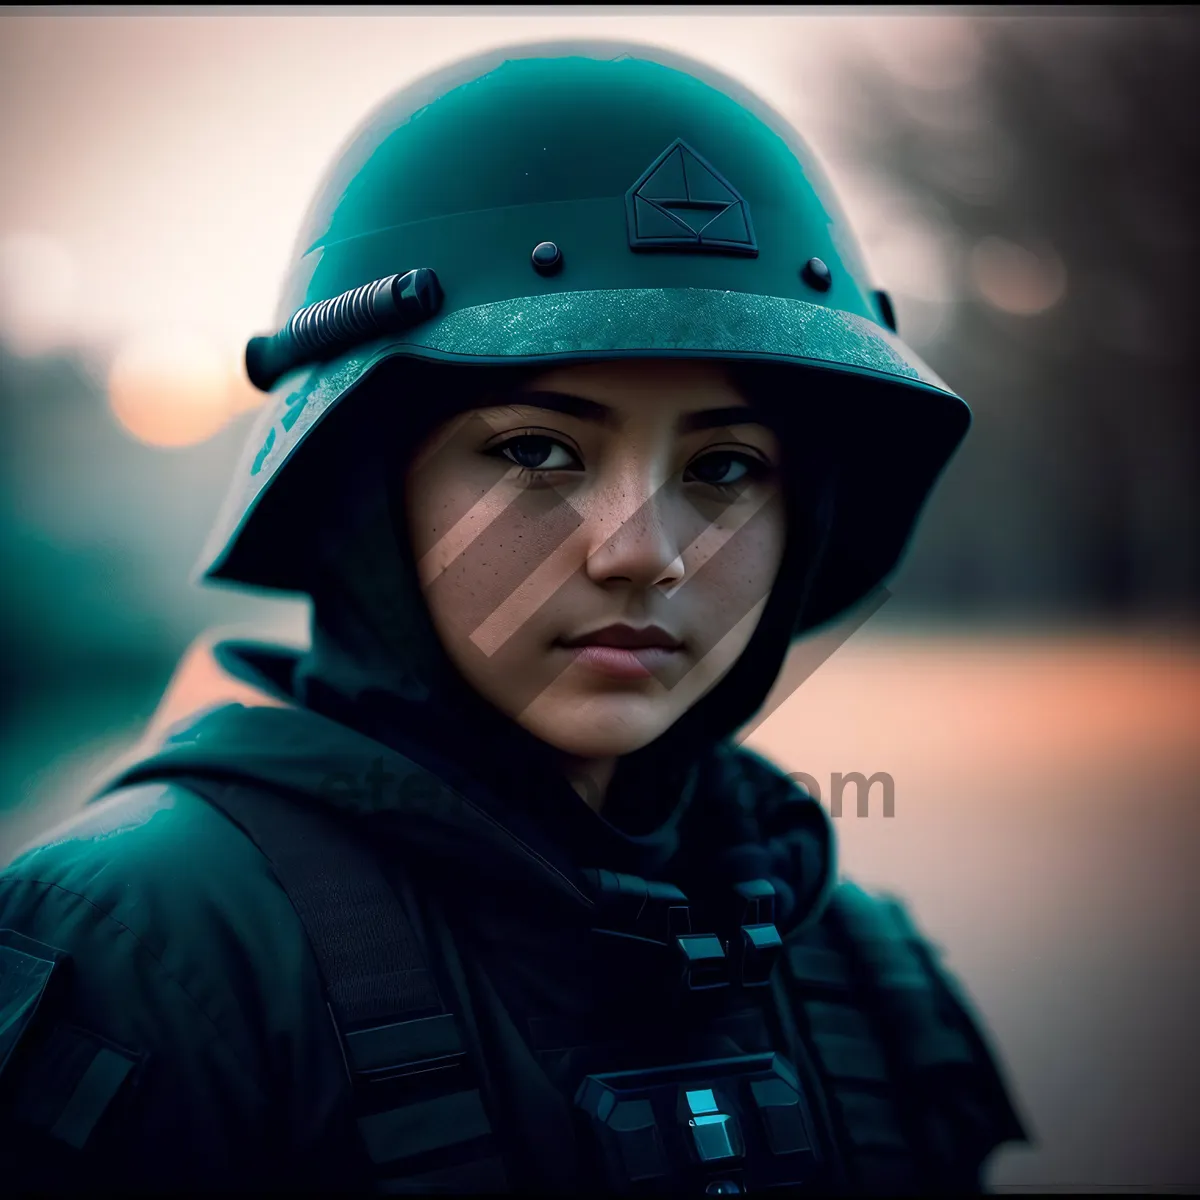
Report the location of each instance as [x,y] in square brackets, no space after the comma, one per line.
[376,657]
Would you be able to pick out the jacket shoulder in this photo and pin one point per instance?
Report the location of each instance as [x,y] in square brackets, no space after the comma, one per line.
[159,871]
[155,836]
[182,954]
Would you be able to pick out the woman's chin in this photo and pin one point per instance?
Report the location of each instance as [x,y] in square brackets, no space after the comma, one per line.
[604,728]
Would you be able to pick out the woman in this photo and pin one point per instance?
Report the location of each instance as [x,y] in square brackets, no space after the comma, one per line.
[582,413]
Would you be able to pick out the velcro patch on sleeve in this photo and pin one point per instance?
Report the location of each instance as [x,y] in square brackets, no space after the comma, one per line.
[26,970]
[69,1081]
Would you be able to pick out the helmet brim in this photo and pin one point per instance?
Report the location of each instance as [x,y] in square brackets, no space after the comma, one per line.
[587,326]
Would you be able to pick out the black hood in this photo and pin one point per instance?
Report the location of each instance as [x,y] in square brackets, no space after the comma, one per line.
[376,662]
[375,686]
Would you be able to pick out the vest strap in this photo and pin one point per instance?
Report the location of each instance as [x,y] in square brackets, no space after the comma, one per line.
[421,1114]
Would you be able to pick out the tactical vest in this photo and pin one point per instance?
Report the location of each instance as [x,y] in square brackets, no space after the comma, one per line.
[886,1086]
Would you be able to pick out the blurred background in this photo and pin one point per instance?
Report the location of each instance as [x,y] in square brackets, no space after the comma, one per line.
[1025,186]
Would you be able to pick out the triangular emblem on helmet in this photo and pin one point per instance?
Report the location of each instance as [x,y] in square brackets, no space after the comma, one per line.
[682,202]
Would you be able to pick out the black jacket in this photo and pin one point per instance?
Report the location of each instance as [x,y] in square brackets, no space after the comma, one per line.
[184,1041]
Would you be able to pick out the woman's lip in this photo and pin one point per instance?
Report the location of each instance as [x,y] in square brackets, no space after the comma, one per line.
[620,663]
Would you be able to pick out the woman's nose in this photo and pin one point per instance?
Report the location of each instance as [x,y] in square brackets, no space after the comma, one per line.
[631,536]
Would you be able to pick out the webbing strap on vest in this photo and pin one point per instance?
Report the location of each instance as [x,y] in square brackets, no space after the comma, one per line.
[419,1108]
[916,1087]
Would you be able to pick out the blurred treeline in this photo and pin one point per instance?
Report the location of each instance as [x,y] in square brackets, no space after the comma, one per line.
[1074,136]
[98,537]
[1075,497]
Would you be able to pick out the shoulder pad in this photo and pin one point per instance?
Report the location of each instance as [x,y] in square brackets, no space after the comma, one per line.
[933,1033]
[176,927]
[151,839]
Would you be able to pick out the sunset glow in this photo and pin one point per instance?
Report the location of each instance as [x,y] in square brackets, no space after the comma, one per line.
[171,388]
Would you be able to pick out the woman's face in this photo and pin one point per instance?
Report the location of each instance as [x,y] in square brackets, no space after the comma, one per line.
[637,493]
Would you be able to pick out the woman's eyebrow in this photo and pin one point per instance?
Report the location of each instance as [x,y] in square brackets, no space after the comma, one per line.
[715,418]
[601,414]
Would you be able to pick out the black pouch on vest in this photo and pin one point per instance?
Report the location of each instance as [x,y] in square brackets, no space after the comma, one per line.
[912,1084]
[717,1127]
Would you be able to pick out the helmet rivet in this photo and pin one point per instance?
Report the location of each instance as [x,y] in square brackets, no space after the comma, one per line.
[886,309]
[816,274]
[546,258]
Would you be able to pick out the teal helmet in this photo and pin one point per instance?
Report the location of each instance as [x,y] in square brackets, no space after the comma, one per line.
[574,202]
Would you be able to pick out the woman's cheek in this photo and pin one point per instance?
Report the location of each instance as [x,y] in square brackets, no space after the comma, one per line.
[733,586]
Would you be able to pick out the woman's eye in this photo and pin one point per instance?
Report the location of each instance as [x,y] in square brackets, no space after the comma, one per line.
[725,468]
[536,453]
